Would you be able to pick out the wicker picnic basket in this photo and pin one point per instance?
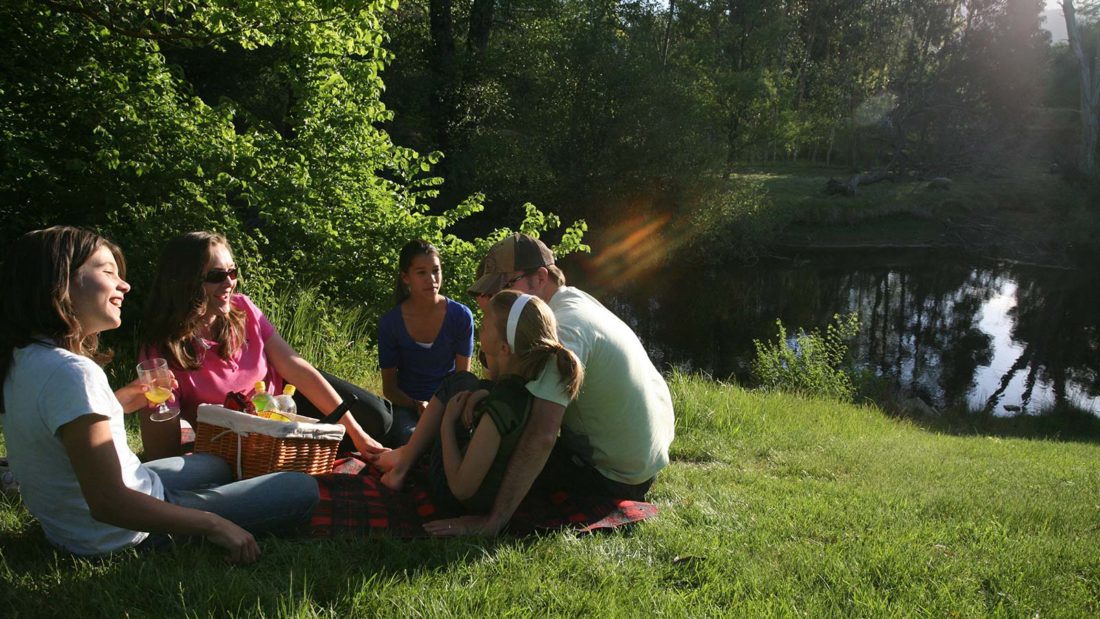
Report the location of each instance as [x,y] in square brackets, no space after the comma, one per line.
[257,446]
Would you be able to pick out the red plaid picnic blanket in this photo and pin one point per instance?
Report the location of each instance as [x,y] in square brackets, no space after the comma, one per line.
[354,502]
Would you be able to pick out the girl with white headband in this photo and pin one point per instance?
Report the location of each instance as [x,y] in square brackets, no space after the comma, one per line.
[518,337]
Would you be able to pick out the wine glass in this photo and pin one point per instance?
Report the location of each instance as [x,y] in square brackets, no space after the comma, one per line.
[155,373]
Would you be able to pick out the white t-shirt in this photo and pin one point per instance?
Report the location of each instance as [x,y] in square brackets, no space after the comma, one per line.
[46,388]
[622,420]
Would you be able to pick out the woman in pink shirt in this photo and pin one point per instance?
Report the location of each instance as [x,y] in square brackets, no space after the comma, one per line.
[216,341]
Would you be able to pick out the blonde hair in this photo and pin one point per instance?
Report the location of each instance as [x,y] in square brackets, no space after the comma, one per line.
[536,340]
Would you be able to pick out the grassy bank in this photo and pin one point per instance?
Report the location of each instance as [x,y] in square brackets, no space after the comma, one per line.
[991,214]
[773,505]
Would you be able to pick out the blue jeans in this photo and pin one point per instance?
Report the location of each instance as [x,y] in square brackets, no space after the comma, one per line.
[271,503]
[404,422]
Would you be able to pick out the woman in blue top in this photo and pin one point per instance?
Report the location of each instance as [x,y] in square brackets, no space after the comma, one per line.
[425,338]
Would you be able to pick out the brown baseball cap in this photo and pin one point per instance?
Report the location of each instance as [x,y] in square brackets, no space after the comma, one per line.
[516,252]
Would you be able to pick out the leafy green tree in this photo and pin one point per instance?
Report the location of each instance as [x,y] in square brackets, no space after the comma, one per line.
[261,120]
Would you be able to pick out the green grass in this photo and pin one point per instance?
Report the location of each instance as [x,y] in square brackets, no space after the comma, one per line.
[773,505]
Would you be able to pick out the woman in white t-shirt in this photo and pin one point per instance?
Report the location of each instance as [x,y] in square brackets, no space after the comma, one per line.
[63,425]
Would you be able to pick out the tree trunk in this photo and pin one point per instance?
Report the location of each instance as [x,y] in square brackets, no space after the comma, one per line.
[668,32]
[481,24]
[1090,92]
[851,186]
[442,61]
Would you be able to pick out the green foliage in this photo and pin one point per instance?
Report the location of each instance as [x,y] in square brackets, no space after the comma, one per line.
[571,103]
[337,340]
[260,120]
[591,107]
[735,220]
[809,363]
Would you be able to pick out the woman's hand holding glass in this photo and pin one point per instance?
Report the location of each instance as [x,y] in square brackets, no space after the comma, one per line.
[155,374]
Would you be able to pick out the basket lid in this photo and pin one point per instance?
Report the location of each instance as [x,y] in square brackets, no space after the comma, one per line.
[243,423]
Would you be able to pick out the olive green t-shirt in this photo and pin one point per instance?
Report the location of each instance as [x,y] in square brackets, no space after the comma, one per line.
[508,406]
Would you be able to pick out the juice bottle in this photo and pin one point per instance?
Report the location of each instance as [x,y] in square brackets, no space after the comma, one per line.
[262,400]
[286,401]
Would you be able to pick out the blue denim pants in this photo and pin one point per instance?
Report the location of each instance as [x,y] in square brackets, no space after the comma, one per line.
[271,503]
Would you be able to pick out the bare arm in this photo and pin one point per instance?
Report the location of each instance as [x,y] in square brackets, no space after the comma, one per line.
[91,451]
[465,473]
[395,395]
[532,451]
[462,364]
[301,373]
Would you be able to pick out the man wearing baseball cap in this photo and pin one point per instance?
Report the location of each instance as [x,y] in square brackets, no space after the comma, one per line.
[614,436]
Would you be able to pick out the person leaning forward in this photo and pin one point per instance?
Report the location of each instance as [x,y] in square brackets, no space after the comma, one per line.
[614,436]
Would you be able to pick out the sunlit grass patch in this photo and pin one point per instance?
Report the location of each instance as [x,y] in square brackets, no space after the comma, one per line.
[773,505]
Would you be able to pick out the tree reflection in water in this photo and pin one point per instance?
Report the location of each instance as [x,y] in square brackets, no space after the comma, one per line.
[947,330]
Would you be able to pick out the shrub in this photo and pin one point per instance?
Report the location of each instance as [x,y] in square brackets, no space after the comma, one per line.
[733,221]
[810,363]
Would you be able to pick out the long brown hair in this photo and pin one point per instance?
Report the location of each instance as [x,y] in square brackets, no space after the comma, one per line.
[36,305]
[536,340]
[177,300]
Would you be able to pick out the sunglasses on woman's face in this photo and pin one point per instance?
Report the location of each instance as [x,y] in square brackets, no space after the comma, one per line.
[217,276]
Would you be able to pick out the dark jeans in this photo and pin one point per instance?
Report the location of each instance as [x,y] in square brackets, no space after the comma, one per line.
[438,488]
[374,413]
[565,470]
[404,422]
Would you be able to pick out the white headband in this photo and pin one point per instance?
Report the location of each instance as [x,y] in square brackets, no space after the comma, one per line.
[513,319]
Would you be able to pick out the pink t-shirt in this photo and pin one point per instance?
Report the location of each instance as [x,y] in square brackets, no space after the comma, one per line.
[217,377]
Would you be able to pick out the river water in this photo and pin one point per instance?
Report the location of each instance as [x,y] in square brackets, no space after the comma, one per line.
[950,330]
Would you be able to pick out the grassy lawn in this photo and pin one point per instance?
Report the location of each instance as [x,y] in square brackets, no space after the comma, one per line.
[774,505]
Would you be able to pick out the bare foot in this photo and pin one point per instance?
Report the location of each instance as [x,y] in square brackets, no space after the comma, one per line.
[393,479]
[387,460]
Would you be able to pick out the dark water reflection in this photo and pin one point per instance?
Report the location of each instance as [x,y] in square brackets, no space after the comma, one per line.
[991,335]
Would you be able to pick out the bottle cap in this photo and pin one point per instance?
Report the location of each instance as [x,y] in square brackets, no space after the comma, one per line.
[261,387]
[289,389]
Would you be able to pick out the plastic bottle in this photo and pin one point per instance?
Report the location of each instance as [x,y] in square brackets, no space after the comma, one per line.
[285,401]
[262,400]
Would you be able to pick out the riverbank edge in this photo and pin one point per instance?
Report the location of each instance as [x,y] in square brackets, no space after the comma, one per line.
[1025,215]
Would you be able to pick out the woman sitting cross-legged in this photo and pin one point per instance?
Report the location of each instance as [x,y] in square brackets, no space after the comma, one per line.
[423,339]
[64,430]
[217,341]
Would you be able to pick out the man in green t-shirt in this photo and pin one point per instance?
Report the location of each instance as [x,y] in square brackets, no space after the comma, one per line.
[614,436]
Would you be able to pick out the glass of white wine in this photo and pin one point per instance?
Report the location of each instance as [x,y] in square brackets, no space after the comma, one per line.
[155,373]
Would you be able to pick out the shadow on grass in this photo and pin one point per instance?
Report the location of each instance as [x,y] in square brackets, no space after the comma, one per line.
[1064,424]
[341,575]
